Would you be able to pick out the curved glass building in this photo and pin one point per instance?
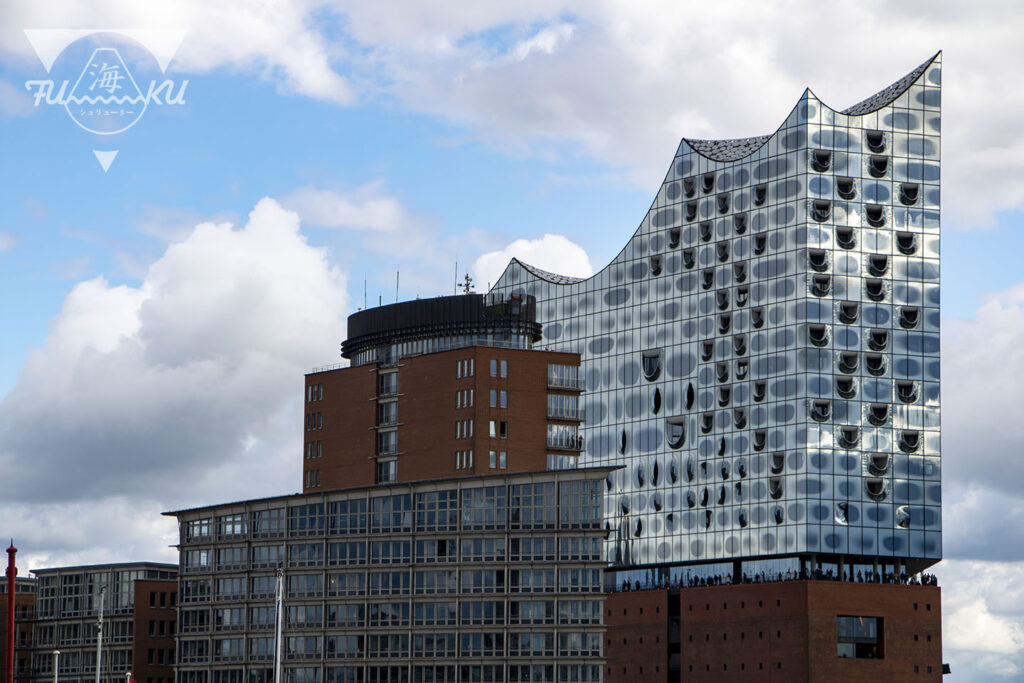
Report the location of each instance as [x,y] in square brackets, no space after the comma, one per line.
[763,354]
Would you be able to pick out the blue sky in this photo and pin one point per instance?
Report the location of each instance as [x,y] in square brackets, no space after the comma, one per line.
[146,363]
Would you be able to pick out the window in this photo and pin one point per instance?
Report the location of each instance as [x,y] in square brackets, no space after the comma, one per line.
[387,471]
[387,442]
[435,550]
[438,510]
[387,383]
[860,637]
[564,377]
[231,525]
[434,614]
[481,645]
[348,552]
[389,583]
[464,460]
[267,556]
[346,615]
[483,612]
[305,585]
[306,555]
[427,582]
[483,508]
[266,523]
[483,581]
[348,516]
[391,514]
[498,460]
[499,399]
[389,614]
[532,506]
[305,616]
[387,413]
[346,583]
[564,407]
[464,368]
[499,429]
[391,552]
[306,520]
[434,645]
[483,550]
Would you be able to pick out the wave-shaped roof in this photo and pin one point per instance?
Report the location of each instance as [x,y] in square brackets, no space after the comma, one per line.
[739,148]
[548,275]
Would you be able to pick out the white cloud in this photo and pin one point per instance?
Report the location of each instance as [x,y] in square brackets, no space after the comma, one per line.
[621,81]
[365,208]
[983,619]
[555,253]
[185,388]
[277,41]
[7,240]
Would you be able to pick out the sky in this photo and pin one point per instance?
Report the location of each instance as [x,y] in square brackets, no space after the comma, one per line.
[157,318]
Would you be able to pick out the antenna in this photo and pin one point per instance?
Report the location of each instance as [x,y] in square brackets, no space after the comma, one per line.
[397,274]
[364,291]
[455,287]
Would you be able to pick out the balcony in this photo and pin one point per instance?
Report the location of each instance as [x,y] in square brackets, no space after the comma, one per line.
[566,383]
[569,414]
[566,443]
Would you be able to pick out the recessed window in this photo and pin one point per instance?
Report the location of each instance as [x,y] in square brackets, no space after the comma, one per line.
[722,372]
[777,462]
[875,140]
[874,289]
[846,188]
[878,340]
[821,410]
[842,513]
[906,242]
[846,387]
[691,395]
[818,334]
[910,441]
[739,272]
[499,429]
[722,299]
[387,470]
[706,230]
[675,432]
[848,311]
[689,258]
[760,439]
[878,413]
[724,321]
[906,392]
[760,194]
[689,186]
[674,235]
[691,210]
[707,182]
[656,264]
[760,389]
[878,264]
[875,488]
[846,237]
[878,166]
[821,209]
[707,278]
[722,250]
[760,244]
[879,464]
[875,364]
[848,362]
[821,285]
[651,364]
[739,223]
[739,344]
[817,259]
[849,437]
[821,160]
[739,418]
[757,316]
[707,422]
[723,202]
[875,214]
[909,193]
[707,350]
[775,487]
[779,515]
[742,295]
[724,396]
[909,315]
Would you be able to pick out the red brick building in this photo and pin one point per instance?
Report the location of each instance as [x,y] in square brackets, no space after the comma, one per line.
[780,631]
[24,612]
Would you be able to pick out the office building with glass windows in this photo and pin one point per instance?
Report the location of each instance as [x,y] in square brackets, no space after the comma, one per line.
[494,577]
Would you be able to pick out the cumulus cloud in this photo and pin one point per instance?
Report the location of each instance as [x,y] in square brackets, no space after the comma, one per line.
[276,41]
[617,81]
[175,379]
[366,208]
[555,253]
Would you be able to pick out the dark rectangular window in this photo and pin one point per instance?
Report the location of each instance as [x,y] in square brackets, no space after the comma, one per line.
[860,637]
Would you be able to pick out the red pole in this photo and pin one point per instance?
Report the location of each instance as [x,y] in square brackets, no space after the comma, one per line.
[12,572]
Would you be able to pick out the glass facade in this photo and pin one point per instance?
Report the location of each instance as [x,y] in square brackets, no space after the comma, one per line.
[480,576]
[763,354]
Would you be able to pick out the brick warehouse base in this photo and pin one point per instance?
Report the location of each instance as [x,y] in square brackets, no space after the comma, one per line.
[784,631]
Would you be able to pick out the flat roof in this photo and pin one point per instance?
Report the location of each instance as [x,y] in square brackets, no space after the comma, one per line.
[111,566]
[602,469]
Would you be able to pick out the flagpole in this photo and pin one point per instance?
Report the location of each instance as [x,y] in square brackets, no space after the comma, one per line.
[278,625]
[99,634]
